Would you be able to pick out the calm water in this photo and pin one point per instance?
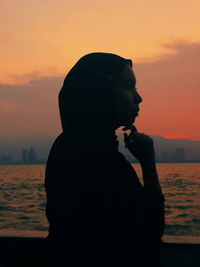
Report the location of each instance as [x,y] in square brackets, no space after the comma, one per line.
[23,199]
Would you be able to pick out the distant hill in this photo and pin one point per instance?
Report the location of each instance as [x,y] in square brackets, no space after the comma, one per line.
[163,145]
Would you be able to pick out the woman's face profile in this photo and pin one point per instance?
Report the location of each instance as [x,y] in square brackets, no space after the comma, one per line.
[127,98]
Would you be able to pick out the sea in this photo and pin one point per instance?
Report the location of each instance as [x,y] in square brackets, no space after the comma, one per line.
[23,199]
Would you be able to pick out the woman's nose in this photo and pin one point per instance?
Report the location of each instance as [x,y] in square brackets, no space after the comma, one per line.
[138,98]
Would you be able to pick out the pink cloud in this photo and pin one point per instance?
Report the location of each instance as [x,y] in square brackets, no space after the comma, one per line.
[8,106]
[170,90]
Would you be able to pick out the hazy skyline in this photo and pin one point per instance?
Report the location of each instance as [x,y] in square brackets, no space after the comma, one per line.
[42,144]
[41,41]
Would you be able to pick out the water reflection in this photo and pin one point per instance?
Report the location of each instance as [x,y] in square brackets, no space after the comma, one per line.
[23,198]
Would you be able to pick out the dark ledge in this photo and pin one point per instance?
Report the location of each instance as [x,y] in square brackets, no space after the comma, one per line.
[19,251]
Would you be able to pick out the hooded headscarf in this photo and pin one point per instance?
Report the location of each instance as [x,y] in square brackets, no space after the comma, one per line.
[86,99]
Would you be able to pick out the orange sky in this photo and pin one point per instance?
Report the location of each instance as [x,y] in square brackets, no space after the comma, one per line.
[42,40]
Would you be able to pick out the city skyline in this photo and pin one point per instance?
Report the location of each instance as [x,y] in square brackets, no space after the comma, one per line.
[165,151]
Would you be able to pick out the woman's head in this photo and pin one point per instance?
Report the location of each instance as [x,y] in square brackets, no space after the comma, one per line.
[88,95]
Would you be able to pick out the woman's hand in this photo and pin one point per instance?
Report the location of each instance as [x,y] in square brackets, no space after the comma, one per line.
[140,145]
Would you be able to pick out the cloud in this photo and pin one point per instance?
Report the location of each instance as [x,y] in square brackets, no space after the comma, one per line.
[30,107]
[8,106]
[175,68]
[170,90]
[25,78]
[169,87]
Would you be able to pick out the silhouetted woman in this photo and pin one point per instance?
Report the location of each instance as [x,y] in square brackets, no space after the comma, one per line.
[98,211]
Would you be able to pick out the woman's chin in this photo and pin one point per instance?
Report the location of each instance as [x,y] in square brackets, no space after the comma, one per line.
[133,119]
[129,122]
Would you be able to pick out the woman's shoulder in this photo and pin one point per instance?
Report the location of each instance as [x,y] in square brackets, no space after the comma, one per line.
[60,147]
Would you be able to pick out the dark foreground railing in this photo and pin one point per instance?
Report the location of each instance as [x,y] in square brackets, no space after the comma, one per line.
[26,251]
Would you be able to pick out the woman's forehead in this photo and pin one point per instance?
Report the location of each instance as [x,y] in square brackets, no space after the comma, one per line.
[127,75]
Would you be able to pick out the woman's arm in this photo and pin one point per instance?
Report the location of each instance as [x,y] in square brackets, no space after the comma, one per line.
[141,146]
[150,177]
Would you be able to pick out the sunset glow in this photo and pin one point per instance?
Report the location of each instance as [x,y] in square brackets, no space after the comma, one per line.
[176,136]
[41,41]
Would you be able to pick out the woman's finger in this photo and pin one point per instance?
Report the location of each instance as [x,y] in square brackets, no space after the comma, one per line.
[130,127]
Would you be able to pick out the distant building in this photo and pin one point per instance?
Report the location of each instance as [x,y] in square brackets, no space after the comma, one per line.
[173,157]
[157,156]
[32,156]
[165,156]
[24,158]
[180,154]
